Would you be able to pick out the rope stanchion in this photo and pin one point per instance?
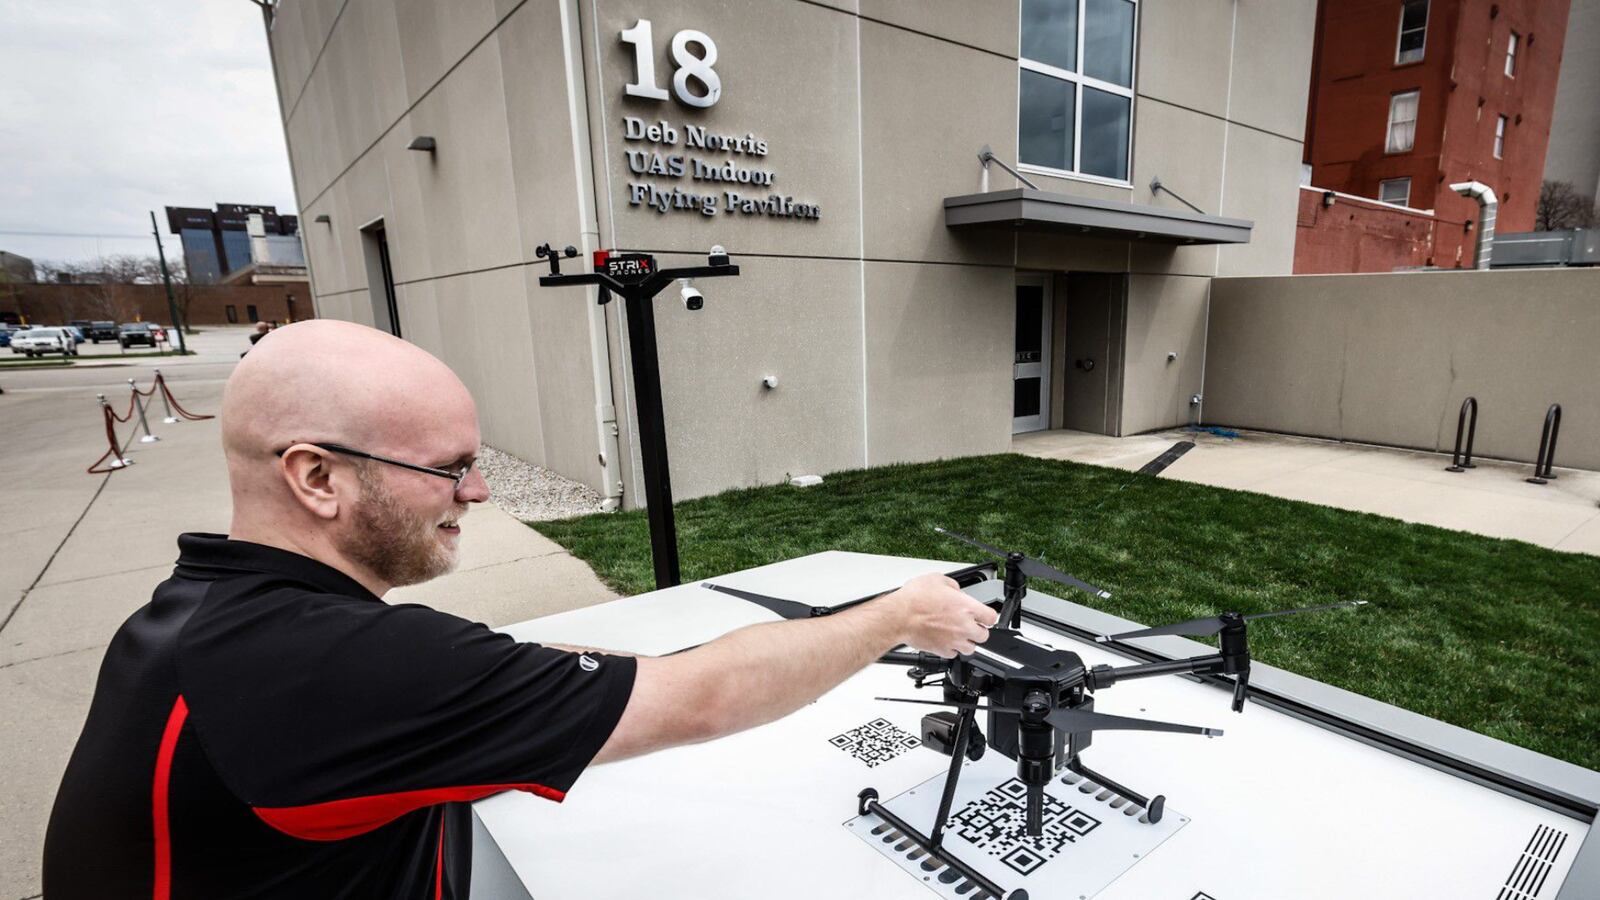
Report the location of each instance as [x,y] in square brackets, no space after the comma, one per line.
[117,460]
[166,402]
[138,402]
[166,394]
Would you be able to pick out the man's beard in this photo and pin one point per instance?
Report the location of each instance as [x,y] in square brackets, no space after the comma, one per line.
[397,546]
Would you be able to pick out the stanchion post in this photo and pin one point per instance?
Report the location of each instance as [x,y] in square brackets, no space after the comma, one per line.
[138,403]
[160,385]
[118,461]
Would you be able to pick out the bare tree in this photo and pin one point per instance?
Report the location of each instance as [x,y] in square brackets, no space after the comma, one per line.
[183,292]
[1561,206]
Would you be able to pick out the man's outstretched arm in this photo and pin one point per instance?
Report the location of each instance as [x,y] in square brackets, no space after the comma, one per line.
[764,672]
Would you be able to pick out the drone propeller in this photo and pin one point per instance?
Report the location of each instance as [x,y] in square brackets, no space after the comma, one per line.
[1077,720]
[789,609]
[1031,567]
[1210,625]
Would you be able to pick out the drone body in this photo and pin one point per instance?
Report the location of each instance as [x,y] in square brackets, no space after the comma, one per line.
[1039,699]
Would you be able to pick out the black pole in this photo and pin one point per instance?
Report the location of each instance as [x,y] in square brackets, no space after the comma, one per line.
[166,278]
[652,439]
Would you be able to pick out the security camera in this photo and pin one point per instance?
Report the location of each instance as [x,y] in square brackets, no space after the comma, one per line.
[717,256]
[693,300]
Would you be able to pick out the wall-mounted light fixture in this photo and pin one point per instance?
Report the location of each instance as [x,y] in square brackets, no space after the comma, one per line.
[323,219]
[425,144]
[1327,198]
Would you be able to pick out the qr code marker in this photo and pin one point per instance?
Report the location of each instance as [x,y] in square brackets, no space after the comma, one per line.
[876,742]
[996,823]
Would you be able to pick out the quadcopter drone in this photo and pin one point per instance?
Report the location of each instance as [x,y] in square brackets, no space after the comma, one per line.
[1039,700]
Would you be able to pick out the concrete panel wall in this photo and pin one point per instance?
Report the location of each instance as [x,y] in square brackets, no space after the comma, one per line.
[796,319]
[1166,314]
[934,333]
[890,333]
[1389,358]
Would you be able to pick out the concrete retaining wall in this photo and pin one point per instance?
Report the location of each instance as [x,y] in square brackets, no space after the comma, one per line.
[1388,358]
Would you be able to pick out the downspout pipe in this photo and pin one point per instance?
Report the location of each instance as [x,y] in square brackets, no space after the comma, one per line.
[1488,205]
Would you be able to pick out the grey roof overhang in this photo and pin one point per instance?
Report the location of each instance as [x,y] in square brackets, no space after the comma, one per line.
[1026,209]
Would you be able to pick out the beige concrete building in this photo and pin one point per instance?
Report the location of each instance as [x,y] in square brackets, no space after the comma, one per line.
[911,304]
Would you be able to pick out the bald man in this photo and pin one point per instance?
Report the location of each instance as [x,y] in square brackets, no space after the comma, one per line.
[267,726]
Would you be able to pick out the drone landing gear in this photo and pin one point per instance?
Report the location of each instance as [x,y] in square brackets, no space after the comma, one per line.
[1153,808]
[954,868]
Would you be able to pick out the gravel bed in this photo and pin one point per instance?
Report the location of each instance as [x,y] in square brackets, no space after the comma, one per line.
[533,493]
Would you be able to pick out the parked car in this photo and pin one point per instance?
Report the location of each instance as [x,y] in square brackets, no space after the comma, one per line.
[75,331]
[102,331]
[81,324]
[6,331]
[39,341]
[131,333]
[158,331]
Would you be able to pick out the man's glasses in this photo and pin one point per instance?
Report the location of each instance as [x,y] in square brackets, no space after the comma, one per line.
[457,476]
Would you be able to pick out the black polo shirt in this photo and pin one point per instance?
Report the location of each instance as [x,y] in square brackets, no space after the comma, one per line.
[267,727]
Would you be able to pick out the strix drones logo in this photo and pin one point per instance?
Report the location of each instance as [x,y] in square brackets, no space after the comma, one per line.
[876,742]
[996,823]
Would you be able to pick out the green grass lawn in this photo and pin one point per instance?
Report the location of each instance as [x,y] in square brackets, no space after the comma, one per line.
[1501,637]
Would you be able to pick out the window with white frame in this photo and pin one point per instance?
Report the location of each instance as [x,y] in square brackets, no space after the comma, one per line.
[1500,138]
[1075,87]
[1402,122]
[1395,190]
[1511,56]
[1413,31]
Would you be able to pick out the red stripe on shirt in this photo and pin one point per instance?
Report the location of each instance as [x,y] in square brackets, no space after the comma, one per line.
[159,795]
[438,867]
[336,820]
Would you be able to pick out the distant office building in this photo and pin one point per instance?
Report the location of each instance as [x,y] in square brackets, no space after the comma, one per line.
[1410,96]
[216,243]
[1574,155]
[16,268]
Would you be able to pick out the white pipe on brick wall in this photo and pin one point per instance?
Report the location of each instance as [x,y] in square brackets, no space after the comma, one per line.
[1488,205]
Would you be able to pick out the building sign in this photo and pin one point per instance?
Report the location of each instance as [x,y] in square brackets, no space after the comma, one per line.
[683,167]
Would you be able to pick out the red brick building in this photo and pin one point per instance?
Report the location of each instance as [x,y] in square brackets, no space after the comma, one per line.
[1408,96]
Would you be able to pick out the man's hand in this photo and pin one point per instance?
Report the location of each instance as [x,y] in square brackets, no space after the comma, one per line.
[938,618]
[764,672]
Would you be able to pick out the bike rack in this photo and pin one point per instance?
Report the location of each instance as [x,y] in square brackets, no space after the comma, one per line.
[1543,465]
[1458,461]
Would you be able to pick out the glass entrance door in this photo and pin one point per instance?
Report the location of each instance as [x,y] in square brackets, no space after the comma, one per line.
[1030,365]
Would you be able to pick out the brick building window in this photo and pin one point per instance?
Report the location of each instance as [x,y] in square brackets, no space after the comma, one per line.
[250,310]
[1075,87]
[1413,31]
[1511,56]
[233,313]
[1402,122]
[1500,138]
[1395,190]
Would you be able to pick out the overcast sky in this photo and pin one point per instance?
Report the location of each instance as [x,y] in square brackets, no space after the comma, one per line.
[111,108]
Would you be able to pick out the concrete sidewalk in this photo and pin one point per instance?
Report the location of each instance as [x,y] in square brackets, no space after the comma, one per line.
[1491,500]
[79,553]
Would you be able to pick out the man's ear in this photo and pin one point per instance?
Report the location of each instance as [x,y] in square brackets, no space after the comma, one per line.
[308,472]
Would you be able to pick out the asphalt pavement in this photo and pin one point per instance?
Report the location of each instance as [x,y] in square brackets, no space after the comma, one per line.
[80,552]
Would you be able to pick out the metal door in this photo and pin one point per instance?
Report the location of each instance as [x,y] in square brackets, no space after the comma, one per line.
[1030,365]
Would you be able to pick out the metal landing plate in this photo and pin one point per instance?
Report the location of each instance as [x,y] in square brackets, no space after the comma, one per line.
[1091,836]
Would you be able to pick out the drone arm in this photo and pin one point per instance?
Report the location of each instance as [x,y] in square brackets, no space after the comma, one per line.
[1106,676]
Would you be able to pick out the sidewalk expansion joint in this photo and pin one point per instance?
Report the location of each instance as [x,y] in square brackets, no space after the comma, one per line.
[47,563]
[46,584]
[32,659]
